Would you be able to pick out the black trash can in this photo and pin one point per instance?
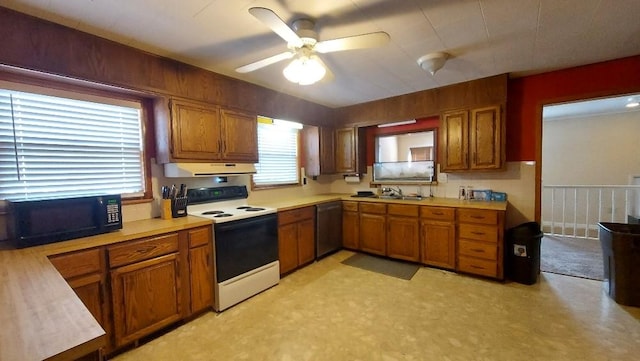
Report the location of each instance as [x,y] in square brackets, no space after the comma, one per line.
[621,255]
[523,253]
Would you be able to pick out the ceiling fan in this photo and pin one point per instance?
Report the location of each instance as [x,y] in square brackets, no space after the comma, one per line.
[302,41]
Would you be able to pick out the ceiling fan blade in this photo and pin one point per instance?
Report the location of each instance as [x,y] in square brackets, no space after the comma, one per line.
[276,24]
[264,62]
[370,40]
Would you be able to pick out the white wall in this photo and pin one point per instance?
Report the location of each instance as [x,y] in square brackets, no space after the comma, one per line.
[603,149]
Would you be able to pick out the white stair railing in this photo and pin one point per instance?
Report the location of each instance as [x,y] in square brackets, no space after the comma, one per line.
[575,210]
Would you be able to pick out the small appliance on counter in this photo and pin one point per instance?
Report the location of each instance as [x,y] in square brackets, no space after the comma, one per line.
[37,222]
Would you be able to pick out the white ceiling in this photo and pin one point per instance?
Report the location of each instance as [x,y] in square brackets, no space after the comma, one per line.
[592,107]
[484,37]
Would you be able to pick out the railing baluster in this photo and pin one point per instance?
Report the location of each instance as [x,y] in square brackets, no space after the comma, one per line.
[560,224]
[587,221]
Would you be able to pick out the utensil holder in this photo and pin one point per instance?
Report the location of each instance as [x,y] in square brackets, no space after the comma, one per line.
[179,207]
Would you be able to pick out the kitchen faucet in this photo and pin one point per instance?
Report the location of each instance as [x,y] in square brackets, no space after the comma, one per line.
[391,189]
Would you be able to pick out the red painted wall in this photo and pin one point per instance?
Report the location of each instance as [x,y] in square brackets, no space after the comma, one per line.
[527,95]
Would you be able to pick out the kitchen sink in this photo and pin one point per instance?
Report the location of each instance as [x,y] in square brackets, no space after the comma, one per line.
[409,198]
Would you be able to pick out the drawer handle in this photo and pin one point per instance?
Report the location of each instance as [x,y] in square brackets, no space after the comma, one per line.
[477,250]
[477,217]
[476,267]
[146,249]
[437,213]
[478,233]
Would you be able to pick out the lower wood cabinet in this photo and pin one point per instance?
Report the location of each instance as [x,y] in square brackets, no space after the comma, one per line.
[145,286]
[200,269]
[373,228]
[296,238]
[438,240]
[85,272]
[403,232]
[481,242]
[137,287]
[350,223]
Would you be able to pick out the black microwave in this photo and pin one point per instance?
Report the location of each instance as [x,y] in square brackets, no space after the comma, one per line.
[36,222]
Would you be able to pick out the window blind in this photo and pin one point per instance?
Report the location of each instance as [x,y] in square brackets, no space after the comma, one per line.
[278,152]
[60,147]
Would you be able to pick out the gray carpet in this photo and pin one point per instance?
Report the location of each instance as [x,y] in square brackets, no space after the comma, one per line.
[575,257]
[381,265]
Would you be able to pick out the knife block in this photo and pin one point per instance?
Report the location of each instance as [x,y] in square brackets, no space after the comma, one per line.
[165,209]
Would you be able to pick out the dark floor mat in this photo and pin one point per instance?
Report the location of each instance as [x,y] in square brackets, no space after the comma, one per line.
[384,266]
[575,257]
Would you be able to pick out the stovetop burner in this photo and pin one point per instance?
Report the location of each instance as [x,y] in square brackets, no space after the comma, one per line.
[223,204]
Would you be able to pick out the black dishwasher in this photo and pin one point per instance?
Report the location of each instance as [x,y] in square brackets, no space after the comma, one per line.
[328,228]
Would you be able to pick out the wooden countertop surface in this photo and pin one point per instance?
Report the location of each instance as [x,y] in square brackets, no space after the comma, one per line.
[283,205]
[41,316]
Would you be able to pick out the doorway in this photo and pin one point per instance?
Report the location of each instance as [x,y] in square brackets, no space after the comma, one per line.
[589,154]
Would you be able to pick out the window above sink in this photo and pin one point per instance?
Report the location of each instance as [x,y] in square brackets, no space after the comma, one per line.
[405,157]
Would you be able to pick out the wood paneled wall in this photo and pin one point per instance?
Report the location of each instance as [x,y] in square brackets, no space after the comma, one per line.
[36,44]
[427,103]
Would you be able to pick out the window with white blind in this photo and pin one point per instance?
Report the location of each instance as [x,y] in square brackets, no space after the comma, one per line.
[278,152]
[58,146]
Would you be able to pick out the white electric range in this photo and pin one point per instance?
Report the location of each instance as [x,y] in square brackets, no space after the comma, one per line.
[245,242]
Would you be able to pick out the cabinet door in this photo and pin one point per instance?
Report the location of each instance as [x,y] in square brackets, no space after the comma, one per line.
[403,238]
[486,141]
[90,290]
[454,143]
[288,247]
[195,131]
[146,297]
[438,244]
[373,233]
[327,151]
[345,150]
[201,277]
[350,223]
[306,241]
[240,136]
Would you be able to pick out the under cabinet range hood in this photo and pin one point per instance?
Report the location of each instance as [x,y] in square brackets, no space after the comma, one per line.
[182,170]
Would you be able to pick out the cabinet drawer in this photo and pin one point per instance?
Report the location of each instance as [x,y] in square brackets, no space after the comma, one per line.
[438,213]
[136,251]
[478,266]
[77,263]
[477,216]
[403,210]
[199,236]
[479,233]
[350,206]
[484,250]
[376,208]
[296,215]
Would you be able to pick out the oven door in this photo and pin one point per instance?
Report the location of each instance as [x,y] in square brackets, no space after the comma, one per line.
[244,245]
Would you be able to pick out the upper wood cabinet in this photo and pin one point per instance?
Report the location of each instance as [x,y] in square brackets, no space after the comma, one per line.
[472,139]
[239,136]
[345,150]
[330,151]
[319,146]
[188,131]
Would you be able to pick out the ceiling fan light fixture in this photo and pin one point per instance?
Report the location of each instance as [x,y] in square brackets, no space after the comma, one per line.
[433,62]
[304,70]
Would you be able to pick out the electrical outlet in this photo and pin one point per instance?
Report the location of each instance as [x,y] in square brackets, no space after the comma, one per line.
[442,178]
